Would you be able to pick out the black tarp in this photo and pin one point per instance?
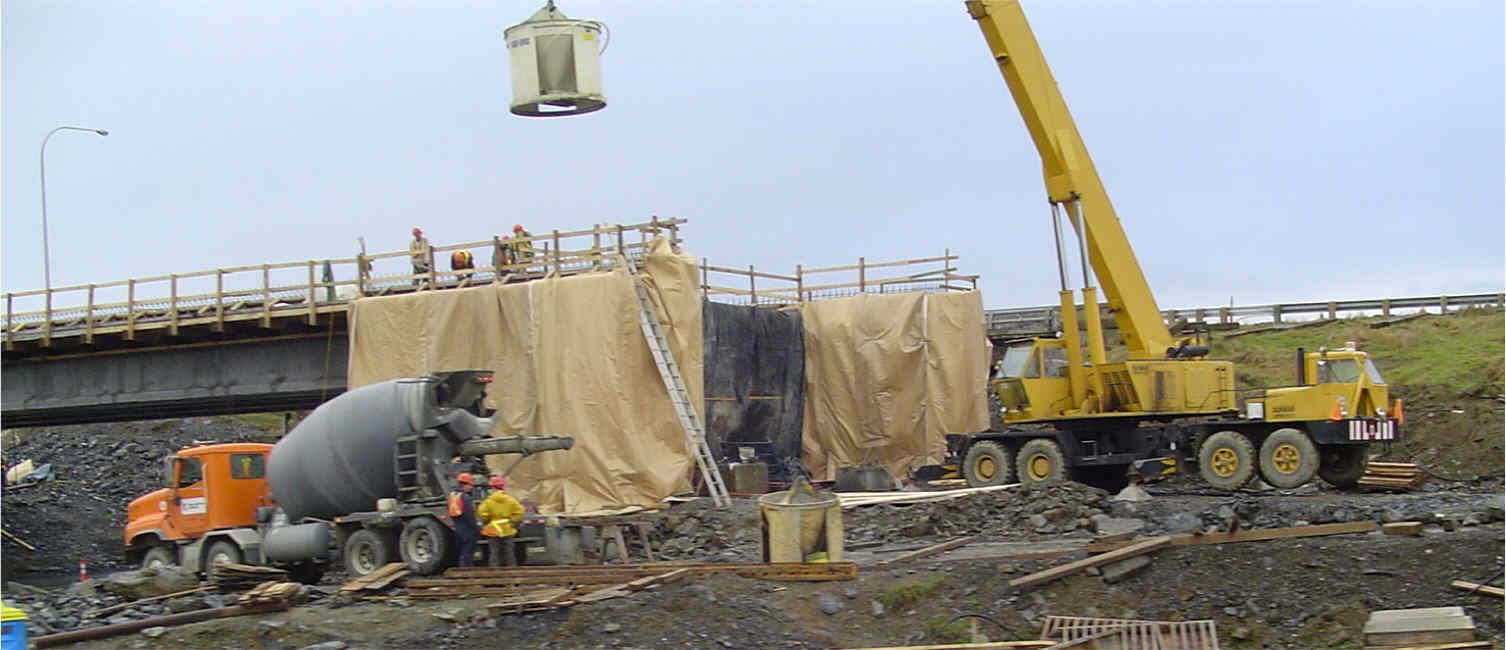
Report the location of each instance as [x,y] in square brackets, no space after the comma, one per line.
[754,379]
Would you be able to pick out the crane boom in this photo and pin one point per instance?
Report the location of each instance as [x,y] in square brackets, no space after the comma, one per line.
[1070,176]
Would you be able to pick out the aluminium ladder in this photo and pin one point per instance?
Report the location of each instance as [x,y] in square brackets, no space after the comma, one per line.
[695,434]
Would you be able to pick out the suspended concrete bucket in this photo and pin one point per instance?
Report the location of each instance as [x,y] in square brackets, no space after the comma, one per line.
[556,64]
[801,525]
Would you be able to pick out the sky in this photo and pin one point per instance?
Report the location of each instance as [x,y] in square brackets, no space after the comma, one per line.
[1255,152]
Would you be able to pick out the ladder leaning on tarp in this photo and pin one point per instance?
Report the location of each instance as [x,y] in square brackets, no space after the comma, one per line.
[695,434]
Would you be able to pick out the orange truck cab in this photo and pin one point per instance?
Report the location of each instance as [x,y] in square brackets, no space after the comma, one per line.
[207,511]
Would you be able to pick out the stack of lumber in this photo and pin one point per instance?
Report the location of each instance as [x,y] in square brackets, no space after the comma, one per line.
[1392,476]
[376,580]
[228,577]
[269,593]
[1430,626]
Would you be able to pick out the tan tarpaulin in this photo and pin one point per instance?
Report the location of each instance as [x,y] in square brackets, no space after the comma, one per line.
[887,376]
[570,359]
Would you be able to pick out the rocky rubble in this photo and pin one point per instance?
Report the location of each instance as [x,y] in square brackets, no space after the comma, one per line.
[98,470]
[698,531]
[1019,512]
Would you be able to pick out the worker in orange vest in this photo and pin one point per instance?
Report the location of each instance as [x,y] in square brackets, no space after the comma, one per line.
[498,514]
[463,514]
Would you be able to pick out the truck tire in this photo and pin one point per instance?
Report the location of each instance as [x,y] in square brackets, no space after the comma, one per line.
[1343,465]
[987,463]
[1226,460]
[159,556]
[1040,461]
[222,550]
[1288,458]
[427,546]
[364,552]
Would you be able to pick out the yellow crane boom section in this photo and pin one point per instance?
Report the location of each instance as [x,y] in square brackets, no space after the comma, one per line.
[1069,175]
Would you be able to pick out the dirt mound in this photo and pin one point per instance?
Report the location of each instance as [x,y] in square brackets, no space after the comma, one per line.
[699,531]
[97,470]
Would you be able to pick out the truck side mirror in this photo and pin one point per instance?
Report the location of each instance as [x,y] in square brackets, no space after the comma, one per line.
[167,471]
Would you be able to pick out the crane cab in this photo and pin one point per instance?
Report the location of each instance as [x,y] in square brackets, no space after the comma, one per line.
[1336,384]
[1030,379]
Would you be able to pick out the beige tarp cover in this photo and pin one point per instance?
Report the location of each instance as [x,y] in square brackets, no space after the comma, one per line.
[887,376]
[570,359]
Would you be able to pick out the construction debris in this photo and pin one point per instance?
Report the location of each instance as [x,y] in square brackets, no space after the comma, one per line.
[1391,476]
[270,592]
[160,621]
[1410,528]
[856,499]
[230,577]
[1389,628]
[376,580]
[790,571]
[142,601]
[929,550]
[1128,634]
[1053,573]
[1478,588]
[991,645]
[1277,533]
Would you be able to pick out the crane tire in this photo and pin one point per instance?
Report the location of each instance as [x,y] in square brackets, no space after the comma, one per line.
[1226,460]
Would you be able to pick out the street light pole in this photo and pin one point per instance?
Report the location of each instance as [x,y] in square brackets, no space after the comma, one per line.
[46,262]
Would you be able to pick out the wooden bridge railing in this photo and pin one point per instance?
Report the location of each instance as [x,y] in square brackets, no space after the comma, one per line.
[807,284]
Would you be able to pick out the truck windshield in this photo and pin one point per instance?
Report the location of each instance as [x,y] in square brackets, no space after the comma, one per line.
[1375,376]
[1013,363]
[1338,371]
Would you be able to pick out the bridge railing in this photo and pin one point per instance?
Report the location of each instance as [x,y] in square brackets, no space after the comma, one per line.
[305,289]
[1025,321]
[808,284]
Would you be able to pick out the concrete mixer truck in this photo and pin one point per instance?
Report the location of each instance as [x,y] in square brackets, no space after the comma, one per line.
[363,479]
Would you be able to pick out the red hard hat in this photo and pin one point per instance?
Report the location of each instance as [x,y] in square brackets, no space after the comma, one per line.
[418,232]
[465,478]
[498,483]
[517,227]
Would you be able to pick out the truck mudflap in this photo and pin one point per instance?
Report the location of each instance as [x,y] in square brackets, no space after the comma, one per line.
[1354,431]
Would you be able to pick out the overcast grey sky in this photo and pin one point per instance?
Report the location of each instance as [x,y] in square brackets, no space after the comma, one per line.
[1264,151]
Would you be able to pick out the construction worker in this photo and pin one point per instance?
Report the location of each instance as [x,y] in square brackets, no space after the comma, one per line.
[522,246]
[418,250]
[498,514]
[462,263]
[463,513]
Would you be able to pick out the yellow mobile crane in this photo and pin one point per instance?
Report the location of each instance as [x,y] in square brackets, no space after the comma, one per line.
[1073,414]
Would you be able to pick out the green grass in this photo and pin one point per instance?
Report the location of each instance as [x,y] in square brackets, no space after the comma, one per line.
[909,593]
[1460,352]
[959,631]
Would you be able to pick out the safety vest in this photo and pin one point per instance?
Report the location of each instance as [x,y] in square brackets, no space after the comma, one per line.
[457,504]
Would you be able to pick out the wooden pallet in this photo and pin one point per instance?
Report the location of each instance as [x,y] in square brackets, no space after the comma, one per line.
[1125,634]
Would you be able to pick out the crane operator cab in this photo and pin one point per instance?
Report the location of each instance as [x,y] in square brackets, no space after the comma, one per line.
[1031,379]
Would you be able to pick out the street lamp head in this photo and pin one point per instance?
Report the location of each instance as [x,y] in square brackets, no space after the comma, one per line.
[101,131]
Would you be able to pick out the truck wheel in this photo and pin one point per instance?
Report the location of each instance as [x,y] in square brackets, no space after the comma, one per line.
[986,463]
[158,557]
[1288,458]
[1040,461]
[364,552]
[221,551]
[427,546]
[1226,460]
[1343,465]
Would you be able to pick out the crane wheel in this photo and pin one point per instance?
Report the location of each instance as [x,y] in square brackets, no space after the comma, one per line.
[1288,458]
[1343,465]
[1040,461]
[1226,460]
[987,463]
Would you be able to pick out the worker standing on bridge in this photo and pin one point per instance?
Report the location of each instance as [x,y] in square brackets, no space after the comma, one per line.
[499,513]
[522,244]
[463,513]
[418,250]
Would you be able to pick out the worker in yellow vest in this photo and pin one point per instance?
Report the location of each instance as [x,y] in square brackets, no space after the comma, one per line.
[522,245]
[498,514]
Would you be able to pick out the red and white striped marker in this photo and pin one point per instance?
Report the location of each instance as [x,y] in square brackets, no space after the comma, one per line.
[83,570]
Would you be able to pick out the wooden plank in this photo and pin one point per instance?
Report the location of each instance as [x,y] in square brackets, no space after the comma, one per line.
[1465,645]
[663,578]
[1410,528]
[930,550]
[623,572]
[1416,612]
[993,645]
[1277,533]
[1053,573]
[1478,588]
[366,582]
[1419,637]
